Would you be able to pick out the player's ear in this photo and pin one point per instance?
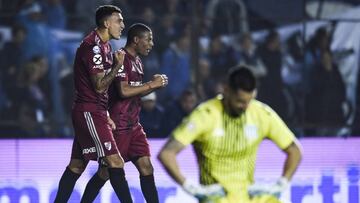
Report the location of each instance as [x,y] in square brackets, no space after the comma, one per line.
[136,39]
[255,93]
[106,24]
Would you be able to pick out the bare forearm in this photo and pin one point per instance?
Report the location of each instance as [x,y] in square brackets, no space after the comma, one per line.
[150,88]
[168,159]
[292,161]
[158,81]
[103,83]
[130,91]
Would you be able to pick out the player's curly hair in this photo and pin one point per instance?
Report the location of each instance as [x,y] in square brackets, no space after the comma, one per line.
[241,77]
[103,12]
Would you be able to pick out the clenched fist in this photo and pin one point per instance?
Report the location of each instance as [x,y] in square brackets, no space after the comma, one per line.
[160,80]
[119,56]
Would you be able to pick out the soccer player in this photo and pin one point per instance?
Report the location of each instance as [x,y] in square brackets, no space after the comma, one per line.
[95,67]
[226,132]
[125,104]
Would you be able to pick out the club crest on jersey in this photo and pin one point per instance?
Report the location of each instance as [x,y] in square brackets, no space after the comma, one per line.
[96,49]
[107,145]
[97,59]
[251,132]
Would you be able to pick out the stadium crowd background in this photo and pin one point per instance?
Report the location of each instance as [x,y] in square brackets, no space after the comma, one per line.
[301,76]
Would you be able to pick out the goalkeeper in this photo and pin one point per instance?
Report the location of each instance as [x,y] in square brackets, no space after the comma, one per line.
[226,132]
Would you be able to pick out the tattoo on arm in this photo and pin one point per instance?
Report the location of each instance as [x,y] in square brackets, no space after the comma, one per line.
[102,81]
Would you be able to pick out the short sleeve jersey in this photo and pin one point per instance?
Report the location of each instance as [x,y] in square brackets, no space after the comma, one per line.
[125,111]
[92,57]
[226,146]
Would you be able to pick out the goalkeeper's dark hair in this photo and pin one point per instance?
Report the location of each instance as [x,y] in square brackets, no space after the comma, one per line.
[103,12]
[136,30]
[241,77]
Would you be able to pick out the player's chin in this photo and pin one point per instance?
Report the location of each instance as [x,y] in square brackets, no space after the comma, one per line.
[236,113]
[147,51]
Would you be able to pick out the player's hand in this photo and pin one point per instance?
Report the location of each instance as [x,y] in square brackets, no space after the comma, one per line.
[276,189]
[111,123]
[119,56]
[159,80]
[203,192]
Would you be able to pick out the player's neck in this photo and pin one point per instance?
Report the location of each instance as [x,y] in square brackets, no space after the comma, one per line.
[131,51]
[227,109]
[103,34]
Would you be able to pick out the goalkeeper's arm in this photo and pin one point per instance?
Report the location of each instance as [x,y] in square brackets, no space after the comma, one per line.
[167,157]
[293,158]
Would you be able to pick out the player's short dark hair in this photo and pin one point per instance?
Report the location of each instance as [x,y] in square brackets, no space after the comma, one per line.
[103,12]
[136,30]
[241,77]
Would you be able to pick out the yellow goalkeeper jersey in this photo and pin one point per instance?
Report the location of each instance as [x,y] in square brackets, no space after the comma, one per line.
[226,147]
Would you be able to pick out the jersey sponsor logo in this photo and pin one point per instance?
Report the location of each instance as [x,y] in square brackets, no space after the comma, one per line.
[107,145]
[101,66]
[135,83]
[123,75]
[97,59]
[96,49]
[251,132]
[121,69]
[89,150]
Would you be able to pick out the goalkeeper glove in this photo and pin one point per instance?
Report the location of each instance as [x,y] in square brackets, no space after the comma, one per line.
[202,192]
[276,190]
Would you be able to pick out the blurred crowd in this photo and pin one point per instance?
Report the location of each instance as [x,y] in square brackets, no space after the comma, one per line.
[299,78]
